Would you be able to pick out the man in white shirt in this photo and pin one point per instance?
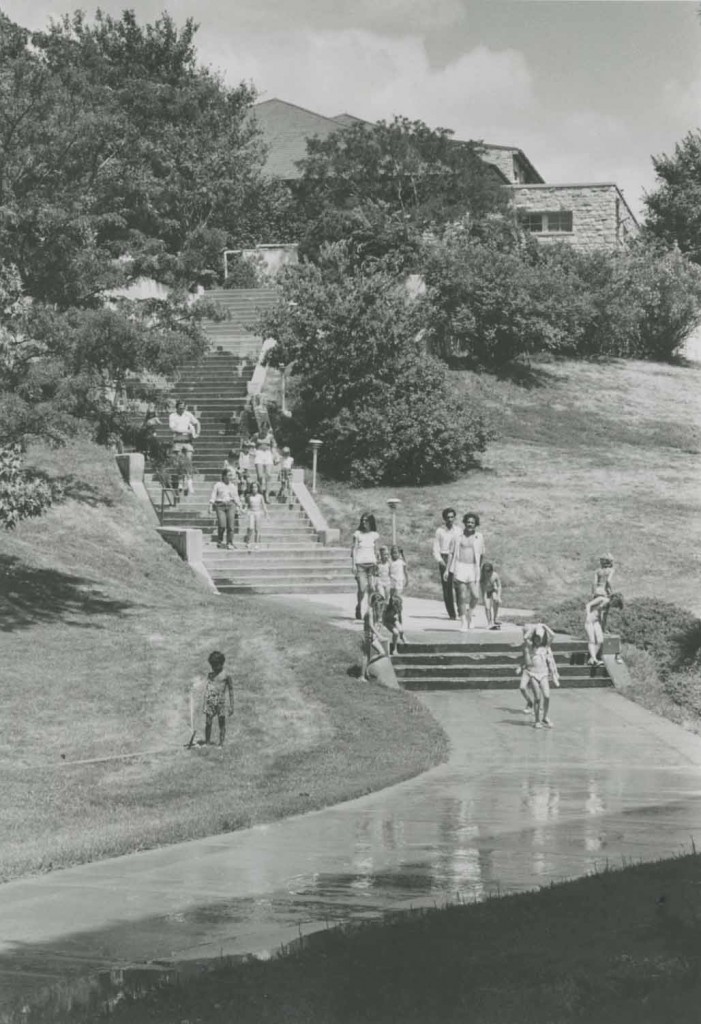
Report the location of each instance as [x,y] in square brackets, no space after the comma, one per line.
[441,550]
[185,428]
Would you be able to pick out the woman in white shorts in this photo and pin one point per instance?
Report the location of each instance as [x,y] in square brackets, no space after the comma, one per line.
[465,564]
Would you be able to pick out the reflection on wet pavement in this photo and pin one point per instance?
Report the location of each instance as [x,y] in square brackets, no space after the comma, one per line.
[514,809]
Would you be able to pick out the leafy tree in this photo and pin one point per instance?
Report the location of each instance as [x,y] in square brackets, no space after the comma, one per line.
[63,371]
[674,206]
[491,299]
[22,495]
[381,185]
[120,155]
[364,383]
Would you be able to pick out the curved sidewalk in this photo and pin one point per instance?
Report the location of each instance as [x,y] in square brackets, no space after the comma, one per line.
[513,808]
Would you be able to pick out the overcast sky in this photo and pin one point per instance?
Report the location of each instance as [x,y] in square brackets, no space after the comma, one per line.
[589,89]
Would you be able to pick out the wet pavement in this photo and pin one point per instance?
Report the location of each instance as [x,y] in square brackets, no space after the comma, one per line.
[513,809]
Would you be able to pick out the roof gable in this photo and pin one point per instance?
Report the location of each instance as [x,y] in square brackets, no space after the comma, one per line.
[285,128]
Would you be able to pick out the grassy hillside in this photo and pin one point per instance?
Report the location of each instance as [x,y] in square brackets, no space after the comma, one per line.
[589,457]
[104,632]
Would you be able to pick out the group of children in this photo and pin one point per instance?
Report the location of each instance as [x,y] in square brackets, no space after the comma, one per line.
[539,669]
[245,486]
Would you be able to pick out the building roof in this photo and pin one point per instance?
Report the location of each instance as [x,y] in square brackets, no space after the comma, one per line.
[285,128]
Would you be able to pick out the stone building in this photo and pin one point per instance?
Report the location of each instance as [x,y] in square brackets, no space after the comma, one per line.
[589,216]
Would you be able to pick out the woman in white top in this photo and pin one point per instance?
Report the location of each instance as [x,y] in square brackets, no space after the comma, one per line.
[465,564]
[364,557]
[225,502]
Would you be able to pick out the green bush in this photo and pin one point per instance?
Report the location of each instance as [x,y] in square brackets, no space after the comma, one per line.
[385,410]
[497,297]
[669,633]
[413,431]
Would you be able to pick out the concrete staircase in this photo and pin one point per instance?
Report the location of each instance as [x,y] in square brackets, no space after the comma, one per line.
[291,558]
[488,665]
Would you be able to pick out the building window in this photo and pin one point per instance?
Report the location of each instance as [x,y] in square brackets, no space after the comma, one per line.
[553,222]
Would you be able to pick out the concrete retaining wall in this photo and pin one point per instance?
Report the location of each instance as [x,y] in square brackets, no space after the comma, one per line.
[189,545]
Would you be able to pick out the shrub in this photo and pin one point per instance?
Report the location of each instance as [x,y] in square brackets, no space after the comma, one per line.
[385,410]
[500,296]
[669,633]
[415,431]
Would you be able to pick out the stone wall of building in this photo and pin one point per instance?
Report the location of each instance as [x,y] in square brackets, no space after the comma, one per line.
[600,217]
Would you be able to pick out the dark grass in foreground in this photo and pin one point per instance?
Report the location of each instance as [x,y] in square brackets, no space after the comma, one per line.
[104,631]
[621,947]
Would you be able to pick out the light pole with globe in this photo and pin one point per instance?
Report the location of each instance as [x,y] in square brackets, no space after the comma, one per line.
[393,503]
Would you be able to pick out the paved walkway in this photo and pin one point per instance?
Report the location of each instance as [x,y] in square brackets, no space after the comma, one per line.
[513,808]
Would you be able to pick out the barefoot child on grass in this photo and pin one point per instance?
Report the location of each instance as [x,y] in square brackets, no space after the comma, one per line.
[218,697]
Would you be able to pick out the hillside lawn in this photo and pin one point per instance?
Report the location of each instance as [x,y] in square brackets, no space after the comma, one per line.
[619,947]
[589,457]
[104,630]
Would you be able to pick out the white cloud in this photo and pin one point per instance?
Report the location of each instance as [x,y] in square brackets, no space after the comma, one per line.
[377,76]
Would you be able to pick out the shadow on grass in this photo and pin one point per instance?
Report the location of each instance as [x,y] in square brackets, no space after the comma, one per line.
[29,595]
[77,489]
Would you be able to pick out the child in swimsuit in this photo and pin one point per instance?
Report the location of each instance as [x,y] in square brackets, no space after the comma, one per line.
[594,622]
[603,577]
[392,621]
[219,687]
[257,511]
[491,594]
[382,582]
[372,638]
[538,671]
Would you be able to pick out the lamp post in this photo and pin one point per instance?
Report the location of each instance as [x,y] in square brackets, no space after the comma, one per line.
[393,502]
[315,446]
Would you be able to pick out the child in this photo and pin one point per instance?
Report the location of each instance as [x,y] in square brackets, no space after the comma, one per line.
[392,621]
[286,463]
[603,577]
[215,697]
[257,509]
[263,461]
[594,621]
[491,594]
[372,638]
[231,462]
[398,577]
[245,467]
[538,672]
[382,582]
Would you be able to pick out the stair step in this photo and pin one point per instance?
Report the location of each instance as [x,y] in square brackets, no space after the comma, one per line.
[495,683]
[484,671]
[289,587]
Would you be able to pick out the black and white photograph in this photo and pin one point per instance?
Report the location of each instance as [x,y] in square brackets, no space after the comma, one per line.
[350,493]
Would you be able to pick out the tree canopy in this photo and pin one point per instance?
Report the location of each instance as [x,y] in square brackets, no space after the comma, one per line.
[674,206]
[120,155]
[381,185]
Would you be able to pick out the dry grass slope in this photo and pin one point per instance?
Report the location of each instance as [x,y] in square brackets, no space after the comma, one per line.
[590,457]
